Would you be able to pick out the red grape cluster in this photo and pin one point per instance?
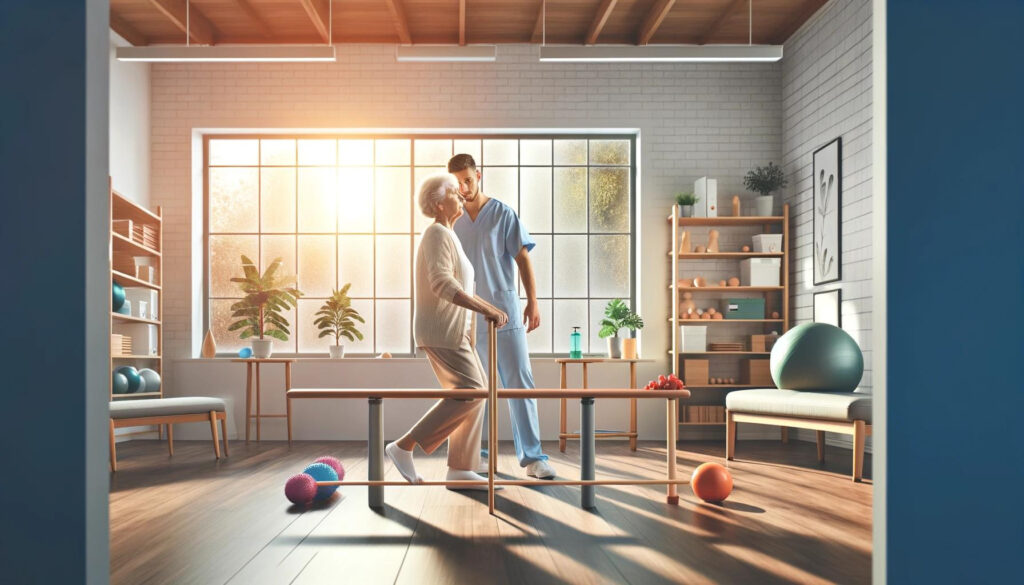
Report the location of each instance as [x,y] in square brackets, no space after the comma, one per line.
[670,382]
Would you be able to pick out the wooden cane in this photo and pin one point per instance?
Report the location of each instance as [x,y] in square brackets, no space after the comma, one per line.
[492,404]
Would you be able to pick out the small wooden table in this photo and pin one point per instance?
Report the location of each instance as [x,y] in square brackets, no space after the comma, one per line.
[563,434]
[249,416]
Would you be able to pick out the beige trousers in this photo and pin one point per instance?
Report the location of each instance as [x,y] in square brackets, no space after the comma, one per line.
[458,421]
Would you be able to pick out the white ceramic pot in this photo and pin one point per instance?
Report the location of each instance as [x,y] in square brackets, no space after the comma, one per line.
[336,351]
[765,204]
[262,348]
[614,347]
[686,210]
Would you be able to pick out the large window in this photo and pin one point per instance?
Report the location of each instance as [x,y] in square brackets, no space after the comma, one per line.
[342,209]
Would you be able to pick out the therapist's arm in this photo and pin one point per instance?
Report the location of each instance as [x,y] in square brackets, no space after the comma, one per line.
[531,314]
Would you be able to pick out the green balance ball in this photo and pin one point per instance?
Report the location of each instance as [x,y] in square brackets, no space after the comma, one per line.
[134,380]
[119,383]
[817,356]
[118,299]
[151,379]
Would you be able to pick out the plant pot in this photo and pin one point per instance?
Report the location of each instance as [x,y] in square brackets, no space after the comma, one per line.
[614,347]
[336,351]
[629,348]
[262,348]
[686,210]
[765,204]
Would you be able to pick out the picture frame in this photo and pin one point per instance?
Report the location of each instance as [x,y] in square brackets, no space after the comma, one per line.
[827,202]
[828,307]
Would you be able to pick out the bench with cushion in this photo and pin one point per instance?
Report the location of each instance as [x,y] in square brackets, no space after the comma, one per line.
[157,411]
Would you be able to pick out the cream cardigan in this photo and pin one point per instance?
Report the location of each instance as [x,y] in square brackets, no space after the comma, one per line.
[442,270]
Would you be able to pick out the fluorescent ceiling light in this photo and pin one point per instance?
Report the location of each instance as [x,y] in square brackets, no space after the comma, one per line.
[661,53]
[222,53]
[435,53]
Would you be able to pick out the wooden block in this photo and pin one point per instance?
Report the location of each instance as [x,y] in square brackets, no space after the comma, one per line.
[757,372]
[115,344]
[695,372]
[762,342]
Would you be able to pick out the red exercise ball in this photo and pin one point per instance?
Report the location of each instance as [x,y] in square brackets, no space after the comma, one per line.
[711,482]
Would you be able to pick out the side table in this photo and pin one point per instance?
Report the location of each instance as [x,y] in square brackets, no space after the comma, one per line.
[563,434]
[250,364]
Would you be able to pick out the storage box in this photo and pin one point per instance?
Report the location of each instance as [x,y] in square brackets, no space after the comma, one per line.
[706,191]
[762,342]
[695,372]
[145,340]
[757,372]
[743,308]
[123,262]
[138,294]
[693,337]
[760,271]
[145,272]
[767,242]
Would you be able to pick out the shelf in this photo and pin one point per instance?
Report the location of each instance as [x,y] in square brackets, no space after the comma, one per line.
[134,319]
[743,220]
[724,255]
[126,280]
[124,208]
[136,357]
[721,352]
[123,244]
[721,321]
[728,288]
[136,395]
[701,424]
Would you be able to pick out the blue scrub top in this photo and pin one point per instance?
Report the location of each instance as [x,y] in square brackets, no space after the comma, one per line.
[492,243]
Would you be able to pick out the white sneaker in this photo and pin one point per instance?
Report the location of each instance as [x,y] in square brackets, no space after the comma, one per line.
[466,475]
[540,470]
[483,469]
[403,462]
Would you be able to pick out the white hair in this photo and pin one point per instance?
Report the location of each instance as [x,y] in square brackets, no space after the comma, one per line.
[434,189]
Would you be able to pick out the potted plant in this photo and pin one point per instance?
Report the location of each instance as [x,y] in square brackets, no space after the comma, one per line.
[686,201]
[259,314]
[336,317]
[765,180]
[634,323]
[617,315]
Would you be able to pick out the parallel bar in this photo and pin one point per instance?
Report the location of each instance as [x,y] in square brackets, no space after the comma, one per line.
[587,451]
[492,404]
[375,447]
[473,394]
[616,435]
[509,482]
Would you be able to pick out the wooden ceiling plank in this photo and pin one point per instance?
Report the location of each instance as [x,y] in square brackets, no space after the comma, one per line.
[653,21]
[600,19]
[318,14]
[538,26]
[462,22]
[720,20]
[198,26]
[127,31]
[401,24]
[791,25]
[254,17]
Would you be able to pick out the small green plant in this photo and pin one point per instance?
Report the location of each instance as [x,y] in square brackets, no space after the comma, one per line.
[618,316]
[686,199]
[765,180]
[337,317]
[267,295]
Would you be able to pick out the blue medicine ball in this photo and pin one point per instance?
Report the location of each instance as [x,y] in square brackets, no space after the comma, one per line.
[118,296]
[119,383]
[322,472]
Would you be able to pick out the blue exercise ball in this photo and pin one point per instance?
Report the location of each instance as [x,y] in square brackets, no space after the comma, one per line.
[118,292]
[132,375]
[119,383]
[151,379]
[817,356]
[322,472]
[245,353]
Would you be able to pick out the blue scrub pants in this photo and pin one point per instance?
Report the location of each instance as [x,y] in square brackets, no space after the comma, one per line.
[514,372]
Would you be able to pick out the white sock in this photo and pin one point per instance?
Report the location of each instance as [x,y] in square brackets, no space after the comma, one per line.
[466,475]
[403,462]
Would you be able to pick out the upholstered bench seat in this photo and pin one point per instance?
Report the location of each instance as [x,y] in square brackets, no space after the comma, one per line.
[844,406]
[168,411]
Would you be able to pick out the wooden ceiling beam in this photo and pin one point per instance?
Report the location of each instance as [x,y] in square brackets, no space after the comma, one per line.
[198,26]
[653,20]
[318,13]
[462,22]
[538,25]
[254,17]
[720,20]
[600,19]
[127,31]
[401,24]
[805,12]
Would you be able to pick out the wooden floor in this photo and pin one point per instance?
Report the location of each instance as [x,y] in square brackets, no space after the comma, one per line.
[191,519]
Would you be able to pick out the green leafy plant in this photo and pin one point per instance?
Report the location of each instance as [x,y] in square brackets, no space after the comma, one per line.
[686,199]
[765,180]
[267,295]
[337,317]
[617,316]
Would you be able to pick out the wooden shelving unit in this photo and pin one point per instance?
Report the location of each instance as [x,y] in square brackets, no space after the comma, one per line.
[776,297]
[121,246]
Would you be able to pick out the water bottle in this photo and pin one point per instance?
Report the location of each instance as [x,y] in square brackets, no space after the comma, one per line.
[575,344]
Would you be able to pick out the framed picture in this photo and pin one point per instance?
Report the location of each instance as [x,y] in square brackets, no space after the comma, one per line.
[828,203]
[828,307]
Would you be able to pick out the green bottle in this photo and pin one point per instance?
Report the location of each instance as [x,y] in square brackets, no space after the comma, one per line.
[575,344]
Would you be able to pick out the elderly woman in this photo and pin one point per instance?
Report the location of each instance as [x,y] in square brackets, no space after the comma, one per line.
[443,328]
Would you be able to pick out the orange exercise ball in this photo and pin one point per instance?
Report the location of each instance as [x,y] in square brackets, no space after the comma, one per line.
[711,482]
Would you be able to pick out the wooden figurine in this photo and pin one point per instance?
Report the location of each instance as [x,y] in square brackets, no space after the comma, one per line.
[721,283]
[705,315]
[684,243]
[711,310]
[735,205]
[687,307]
[745,249]
[733,281]
[699,282]
[717,316]
[775,314]
[700,250]
[713,242]
[209,346]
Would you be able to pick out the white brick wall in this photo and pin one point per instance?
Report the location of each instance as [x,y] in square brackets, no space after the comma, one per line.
[826,92]
[693,120]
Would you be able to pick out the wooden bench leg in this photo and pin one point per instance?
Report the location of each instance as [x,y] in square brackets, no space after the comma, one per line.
[730,436]
[113,448]
[213,429]
[785,434]
[288,403]
[858,449]
[170,439]
[821,446]
[224,431]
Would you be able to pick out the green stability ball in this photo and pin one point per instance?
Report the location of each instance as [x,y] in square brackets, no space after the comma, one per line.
[817,356]
[118,296]
[120,383]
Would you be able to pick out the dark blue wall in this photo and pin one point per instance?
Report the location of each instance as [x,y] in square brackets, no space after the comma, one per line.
[956,291]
